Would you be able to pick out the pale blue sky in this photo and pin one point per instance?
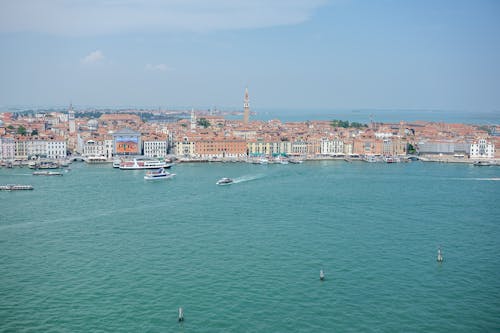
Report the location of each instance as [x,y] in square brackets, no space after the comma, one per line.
[440,54]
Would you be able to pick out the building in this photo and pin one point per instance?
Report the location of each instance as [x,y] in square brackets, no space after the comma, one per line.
[155,148]
[127,142]
[482,149]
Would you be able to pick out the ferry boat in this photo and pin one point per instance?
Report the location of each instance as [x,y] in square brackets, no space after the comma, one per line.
[136,164]
[96,159]
[15,187]
[224,181]
[158,174]
[47,173]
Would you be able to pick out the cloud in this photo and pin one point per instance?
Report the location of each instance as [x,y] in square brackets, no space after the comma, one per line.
[93,57]
[97,17]
[158,68]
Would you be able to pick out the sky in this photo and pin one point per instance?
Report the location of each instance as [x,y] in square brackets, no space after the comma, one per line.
[297,54]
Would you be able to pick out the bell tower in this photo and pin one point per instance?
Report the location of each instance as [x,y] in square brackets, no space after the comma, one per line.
[246,107]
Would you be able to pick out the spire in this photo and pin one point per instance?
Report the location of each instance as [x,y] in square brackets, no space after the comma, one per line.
[246,107]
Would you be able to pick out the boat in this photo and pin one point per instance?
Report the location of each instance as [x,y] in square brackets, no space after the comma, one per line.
[47,173]
[440,256]
[321,275]
[96,159]
[371,159]
[225,181]
[136,164]
[15,187]
[295,161]
[158,174]
[482,163]
[116,163]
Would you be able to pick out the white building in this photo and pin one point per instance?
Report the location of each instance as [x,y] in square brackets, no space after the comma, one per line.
[155,148]
[7,151]
[94,148]
[56,149]
[482,149]
[37,148]
[331,147]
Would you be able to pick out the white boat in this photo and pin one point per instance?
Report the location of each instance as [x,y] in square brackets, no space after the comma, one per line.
[116,163]
[321,275]
[440,256]
[158,174]
[136,164]
[225,181]
[15,187]
[482,163]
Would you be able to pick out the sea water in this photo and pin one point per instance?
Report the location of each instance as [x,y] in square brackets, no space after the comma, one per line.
[103,250]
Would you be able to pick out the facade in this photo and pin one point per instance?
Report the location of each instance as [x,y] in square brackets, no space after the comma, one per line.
[220,148]
[185,148]
[7,149]
[94,148]
[127,142]
[482,149]
[56,149]
[332,147]
[155,148]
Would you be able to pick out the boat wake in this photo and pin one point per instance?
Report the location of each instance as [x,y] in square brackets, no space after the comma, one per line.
[247,178]
[480,179]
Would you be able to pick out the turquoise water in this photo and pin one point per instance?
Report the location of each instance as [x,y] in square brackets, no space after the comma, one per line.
[103,250]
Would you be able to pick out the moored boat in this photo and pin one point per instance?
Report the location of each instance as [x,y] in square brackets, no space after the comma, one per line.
[136,164]
[482,163]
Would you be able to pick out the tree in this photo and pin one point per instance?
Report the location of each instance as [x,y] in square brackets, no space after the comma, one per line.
[21,130]
[203,122]
[410,149]
[34,132]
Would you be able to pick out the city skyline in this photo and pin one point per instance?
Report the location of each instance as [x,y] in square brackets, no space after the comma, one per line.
[299,54]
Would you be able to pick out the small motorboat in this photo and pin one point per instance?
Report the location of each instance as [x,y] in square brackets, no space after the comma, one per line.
[440,256]
[321,275]
[158,174]
[181,315]
[225,181]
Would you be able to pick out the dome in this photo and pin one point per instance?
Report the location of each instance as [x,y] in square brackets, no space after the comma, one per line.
[92,124]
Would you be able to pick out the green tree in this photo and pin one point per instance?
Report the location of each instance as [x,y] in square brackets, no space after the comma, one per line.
[203,122]
[410,149]
[10,127]
[34,132]
[21,130]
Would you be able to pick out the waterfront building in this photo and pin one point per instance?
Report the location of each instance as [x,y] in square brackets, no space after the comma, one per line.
[220,148]
[7,149]
[299,147]
[333,146]
[482,149]
[155,148]
[443,147]
[56,149]
[94,148]
[21,149]
[246,107]
[127,142]
[184,148]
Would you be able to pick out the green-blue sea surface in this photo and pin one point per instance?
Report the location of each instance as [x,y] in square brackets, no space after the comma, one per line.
[103,250]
